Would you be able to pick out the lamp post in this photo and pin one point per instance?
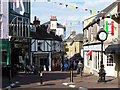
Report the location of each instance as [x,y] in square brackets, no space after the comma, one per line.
[71,63]
[101,36]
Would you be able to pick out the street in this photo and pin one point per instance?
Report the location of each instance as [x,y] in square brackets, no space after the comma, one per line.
[59,80]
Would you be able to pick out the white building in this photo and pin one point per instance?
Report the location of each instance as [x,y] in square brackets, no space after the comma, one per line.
[108,19]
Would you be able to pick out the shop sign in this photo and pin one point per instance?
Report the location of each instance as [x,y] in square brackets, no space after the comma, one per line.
[93,47]
[18,6]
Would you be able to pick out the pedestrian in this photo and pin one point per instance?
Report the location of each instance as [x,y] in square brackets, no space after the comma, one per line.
[79,68]
[65,66]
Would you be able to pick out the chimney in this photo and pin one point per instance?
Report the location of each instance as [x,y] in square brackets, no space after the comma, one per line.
[36,21]
[53,18]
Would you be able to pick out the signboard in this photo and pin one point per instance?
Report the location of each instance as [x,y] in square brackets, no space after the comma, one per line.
[18,6]
[93,47]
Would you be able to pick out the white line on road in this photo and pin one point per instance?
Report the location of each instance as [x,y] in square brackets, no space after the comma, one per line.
[17,82]
[65,84]
[72,86]
[82,88]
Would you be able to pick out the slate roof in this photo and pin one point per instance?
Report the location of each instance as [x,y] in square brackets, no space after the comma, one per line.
[41,34]
[78,37]
[103,13]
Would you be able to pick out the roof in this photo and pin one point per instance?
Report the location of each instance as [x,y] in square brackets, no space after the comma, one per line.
[112,49]
[77,38]
[102,13]
[107,9]
[41,34]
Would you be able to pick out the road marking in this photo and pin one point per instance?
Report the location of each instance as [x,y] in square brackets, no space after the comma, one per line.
[8,87]
[65,84]
[17,82]
[13,84]
[82,88]
[72,86]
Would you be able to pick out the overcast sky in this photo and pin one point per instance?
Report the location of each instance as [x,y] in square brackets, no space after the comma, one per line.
[44,9]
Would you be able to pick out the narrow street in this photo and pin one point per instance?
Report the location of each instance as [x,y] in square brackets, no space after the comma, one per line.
[59,80]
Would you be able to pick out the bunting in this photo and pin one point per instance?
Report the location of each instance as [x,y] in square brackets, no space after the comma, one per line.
[72,23]
[85,9]
[112,28]
[106,27]
[73,7]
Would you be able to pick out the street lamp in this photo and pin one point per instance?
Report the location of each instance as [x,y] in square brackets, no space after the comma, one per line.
[71,63]
[101,36]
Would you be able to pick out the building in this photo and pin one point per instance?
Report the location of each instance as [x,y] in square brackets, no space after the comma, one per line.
[56,27]
[15,32]
[46,47]
[73,45]
[107,19]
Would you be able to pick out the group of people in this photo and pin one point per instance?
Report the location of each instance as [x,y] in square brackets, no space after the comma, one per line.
[29,68]
[78,66]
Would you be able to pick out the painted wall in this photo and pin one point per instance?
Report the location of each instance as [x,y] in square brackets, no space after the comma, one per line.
[75,48]
[5,19]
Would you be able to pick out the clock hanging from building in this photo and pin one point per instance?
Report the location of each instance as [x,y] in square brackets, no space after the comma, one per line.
[102,35]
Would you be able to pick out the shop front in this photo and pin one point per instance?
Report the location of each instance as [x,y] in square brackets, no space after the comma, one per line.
[57,61]
[92,57]
[113,60]
[20,50]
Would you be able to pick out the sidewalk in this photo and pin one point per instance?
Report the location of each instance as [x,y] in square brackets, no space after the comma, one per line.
[57,79]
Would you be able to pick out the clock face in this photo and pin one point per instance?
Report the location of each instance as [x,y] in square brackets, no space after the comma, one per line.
[102,36]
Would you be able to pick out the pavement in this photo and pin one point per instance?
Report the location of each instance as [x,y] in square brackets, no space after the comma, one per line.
[59,80]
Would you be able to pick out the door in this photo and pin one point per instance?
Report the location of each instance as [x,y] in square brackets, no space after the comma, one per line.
[110,68]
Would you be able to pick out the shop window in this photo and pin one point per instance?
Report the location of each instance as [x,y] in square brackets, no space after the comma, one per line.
[109,60]
[4,56]
[39,46]
[95,60]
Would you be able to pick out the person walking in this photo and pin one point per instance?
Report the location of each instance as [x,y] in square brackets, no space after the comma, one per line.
[79,68]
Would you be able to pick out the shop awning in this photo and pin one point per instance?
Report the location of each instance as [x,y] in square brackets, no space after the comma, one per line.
[113,49]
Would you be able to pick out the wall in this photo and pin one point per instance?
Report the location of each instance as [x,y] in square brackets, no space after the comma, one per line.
[5,19]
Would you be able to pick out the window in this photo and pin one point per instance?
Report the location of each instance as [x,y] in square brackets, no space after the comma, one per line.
[27,5]
[109,60]
[39,46]
[95,60]
[87,60]
[89,34]
[4,56]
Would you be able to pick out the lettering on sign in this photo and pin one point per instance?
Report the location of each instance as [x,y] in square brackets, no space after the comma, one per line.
[18,6]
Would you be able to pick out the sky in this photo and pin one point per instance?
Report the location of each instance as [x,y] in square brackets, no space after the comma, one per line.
[69,15]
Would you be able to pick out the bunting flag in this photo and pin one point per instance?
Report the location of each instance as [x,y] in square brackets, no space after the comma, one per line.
[106,27]
[72,7]
[95,12]
[89,53]
[86,9]
[72,23]
[112,28]
[76,7]
[66,5]
[110,15]
[90,11]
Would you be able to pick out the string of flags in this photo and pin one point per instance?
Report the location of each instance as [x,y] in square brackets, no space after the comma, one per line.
[73,7]
[72,23]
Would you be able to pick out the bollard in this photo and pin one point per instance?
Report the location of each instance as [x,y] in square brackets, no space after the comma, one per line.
[41,78]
